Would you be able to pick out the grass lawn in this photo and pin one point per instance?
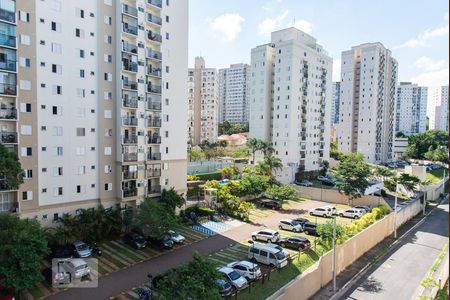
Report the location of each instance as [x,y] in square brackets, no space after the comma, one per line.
[436,175]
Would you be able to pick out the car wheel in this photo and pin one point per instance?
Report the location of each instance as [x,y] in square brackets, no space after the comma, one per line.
[283,245]
[269,241]
[355,217]
[253,260]
[281,227]
[253,237]
[341,215]
[271,265]
[311,214]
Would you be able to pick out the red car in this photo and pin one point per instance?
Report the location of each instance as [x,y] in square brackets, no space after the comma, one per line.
[5,294]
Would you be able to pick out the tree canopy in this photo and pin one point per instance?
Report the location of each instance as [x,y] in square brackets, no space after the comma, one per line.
[154,219]
[429,141]
[282,192]
[11,174]
[171,199]
[227,128]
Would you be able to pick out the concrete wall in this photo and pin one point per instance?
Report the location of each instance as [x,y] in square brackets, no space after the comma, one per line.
[319,275]
[333,196]
[433,191]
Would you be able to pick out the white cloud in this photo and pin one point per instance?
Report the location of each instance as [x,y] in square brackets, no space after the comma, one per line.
[337,69]
[429,64]
[421,39]
[271,24]
[430,79]
[228,26]
[303,25]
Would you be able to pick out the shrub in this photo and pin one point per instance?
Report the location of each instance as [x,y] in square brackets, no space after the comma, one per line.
[210,176]
[193,177]
[366,220]
[199,211]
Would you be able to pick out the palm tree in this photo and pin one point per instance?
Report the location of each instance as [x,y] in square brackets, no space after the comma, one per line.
[270,164]
[266,148]
[254,145]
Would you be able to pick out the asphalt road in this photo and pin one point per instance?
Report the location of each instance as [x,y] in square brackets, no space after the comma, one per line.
[400,273]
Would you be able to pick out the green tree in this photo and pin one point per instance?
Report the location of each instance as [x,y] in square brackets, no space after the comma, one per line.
[352,174]
[11,174]
[266,148]
[421,143]
[439,154]
[408,181]
[269,165]
[230,171]
[254,145]
[22,248]
[253,185]
[224,128]
[383,173]
[240,152]
[282,193]
[154,219]
[196,154]
[325,232]
[171,199]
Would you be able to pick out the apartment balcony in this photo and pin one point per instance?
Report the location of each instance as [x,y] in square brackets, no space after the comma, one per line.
[154,89]
[131,139]
[154,189]
[130,103]
[129,66]
[156,140]
[129,10]
[129,175]
[8,114]
[130,29]
[154,37]
[130,85]
[153,54]
[8,137]
[153,173]
[157,3]
[7,15]
[129,121]
[153,102]
[153,123]
[152,71]
[8,65]
[8,202]
[8,89]
[130,157]
[7,40]
[130,48]
[129,193]
[154,156]
[154,19]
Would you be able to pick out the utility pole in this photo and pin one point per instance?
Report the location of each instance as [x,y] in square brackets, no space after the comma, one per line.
[334,254]
[395,211]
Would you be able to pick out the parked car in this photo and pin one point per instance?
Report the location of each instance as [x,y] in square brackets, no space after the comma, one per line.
[301,221]
[176,237]
[77,267]
[351,213]
[303,182]
[295,242]
[62,252]
[5,294]
[135,240]
[278,247]
[265,254]
[290,225]
[81,249]
[234,278]
[321,178]
[266,235]
[248,270]
[332,209]
[164,242]
[363,207]
[225,288]
[328,182]
[321,212]
[272,204]
[310,228]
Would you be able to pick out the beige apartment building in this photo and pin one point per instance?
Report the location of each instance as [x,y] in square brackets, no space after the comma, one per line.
[92,97]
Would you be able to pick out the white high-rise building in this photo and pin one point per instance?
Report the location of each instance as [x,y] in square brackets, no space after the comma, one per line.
[411,108]
[102,98]
[439,118]
[367,111]
[203,100]
[336,102]
[290,100]
[234,94]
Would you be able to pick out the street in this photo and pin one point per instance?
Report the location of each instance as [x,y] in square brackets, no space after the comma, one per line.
[400,273]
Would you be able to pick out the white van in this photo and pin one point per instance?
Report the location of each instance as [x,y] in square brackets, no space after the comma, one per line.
[267,255]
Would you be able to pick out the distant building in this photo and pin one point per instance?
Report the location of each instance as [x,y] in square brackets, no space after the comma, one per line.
[441,110]
[234,94]
[203,106]
[411,108]
[400,145]
[336,102]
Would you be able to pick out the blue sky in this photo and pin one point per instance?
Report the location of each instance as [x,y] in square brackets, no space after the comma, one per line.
[417,31]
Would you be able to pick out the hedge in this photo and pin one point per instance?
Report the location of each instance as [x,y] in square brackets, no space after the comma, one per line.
[199,211]
[210,176]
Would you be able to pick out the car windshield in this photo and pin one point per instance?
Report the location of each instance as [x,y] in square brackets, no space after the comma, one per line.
[234,275]
[82,247]
[139,239]
[280,255]
[223,284]
[173,233]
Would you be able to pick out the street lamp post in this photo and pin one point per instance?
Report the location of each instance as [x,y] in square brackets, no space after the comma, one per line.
[395,211]
[334,254]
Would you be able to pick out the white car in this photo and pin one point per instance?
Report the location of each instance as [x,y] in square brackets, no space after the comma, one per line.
[77,267]
[363,207]
[332,209]
[266,235]
[176,237]
[278,247]
[321,212]
[248,270]
[290,225]
[234,278]
[351,213]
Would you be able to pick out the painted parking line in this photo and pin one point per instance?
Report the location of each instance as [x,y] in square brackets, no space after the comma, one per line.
[121,245]
[124,251]
[118,256]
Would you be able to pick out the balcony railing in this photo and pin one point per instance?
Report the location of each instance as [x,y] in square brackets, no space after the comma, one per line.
[8,89]
[129,66]
[129,121]
[7,40]
[157,3]
[153,71]
[129,48]
[153,173]
[154,140]
[130,103]
[153,105]
[129,175]
[131,85]
[130,29]
[8,137]
[154,156]
[9,65]
[155,89]
[155,122]
[153,54]
[8,114]
[8,16]
[129,10]
[154,189]
[132,139]
[128,193]
[130,157]
[154,37]
[154,19]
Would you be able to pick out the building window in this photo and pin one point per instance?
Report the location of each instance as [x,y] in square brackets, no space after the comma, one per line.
[26,151]
[27,195]
[26,130]
[25,62]
[57,191]
[25,107]
[27,174]
[82,73]
[56,27]
[56,48]
[25,85]
[108,186]
[25,39]
[108,151]
[57,90]
[81,132]
[56,69]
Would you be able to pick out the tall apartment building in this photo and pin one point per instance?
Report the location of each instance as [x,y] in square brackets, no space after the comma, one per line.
[335,102]
[411,108]
[234,94]
[440,119]
[203,104]
[101,96]
[367,111]
[290,100]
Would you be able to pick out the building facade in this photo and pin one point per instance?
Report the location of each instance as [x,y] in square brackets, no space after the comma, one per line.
[203,104]
[441,120]
[367,110]
[335,102]
[411,108]
[101,85]
[234,94]
[290,102]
